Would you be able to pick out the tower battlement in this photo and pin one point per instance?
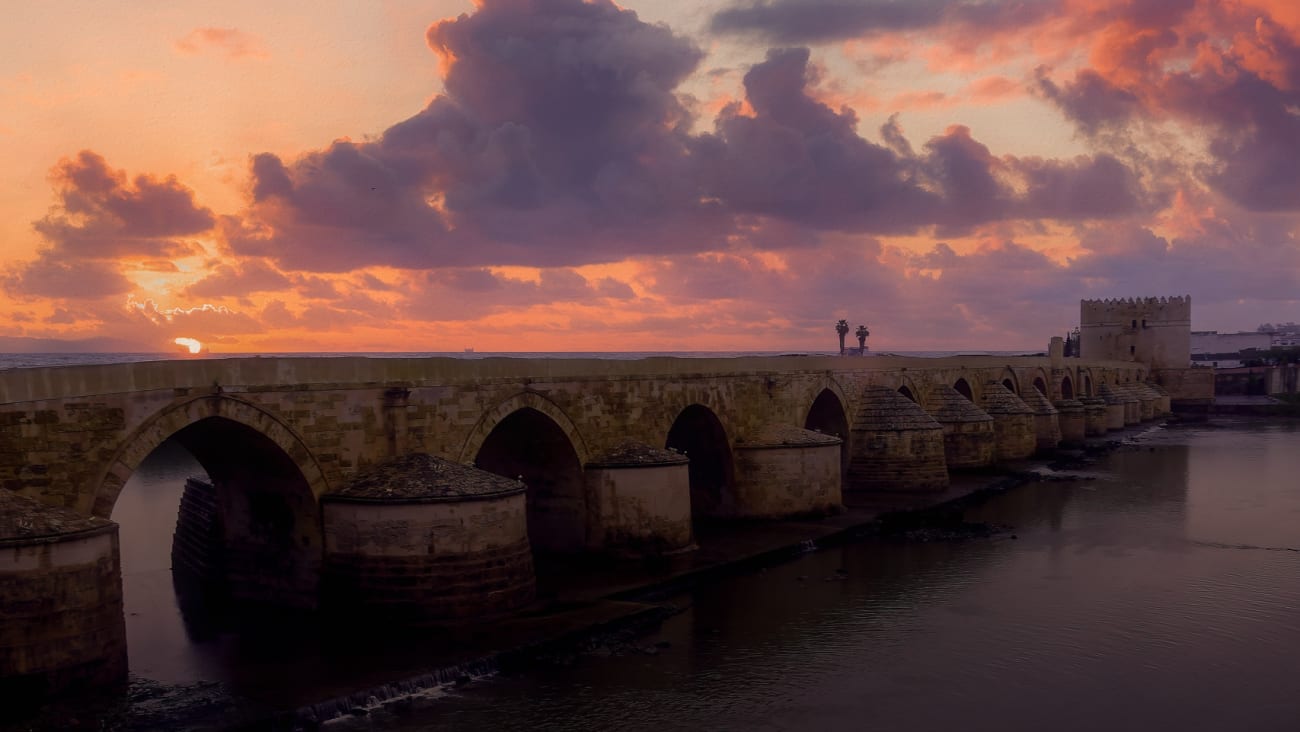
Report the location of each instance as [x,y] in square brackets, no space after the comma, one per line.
[1156,331]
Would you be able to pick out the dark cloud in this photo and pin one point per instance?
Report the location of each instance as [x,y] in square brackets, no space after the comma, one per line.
[102,214]
[51,276]
[100,217]
[559,140]
[797,159]
[237,280]
[822,21]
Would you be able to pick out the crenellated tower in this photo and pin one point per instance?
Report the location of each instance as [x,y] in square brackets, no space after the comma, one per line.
[1156,331]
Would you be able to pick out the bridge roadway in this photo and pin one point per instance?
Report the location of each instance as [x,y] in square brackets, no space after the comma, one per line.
[283,440]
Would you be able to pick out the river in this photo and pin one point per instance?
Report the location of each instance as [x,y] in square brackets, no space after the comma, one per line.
[1160,591]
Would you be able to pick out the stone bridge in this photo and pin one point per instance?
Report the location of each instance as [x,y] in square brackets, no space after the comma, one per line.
[611,456]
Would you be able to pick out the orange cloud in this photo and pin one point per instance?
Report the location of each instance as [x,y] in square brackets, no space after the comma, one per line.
[229,43]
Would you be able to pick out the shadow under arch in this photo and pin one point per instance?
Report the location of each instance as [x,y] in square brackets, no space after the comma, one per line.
[698,433]
[523,400]
[828,416]
[1088,389]
[263,485]
[907,392]
[530,446]
[1011,381]
[1067,387]
[963,387]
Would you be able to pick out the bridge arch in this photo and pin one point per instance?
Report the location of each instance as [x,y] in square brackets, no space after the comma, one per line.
[1010,380]
[1085,378]
[263,486]
[699,434]
[178,417]
[828,414]
[524,400]
[1067,387]
[963,387]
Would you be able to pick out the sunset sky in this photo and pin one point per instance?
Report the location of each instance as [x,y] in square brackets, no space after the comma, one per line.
[559,175]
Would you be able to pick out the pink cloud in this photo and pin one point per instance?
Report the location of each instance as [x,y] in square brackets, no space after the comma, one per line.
[230,43]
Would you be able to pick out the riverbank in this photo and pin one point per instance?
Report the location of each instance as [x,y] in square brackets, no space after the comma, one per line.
[588,606]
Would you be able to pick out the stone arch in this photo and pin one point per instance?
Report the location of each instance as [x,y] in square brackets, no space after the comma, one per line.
[963,387]
[162,426]
[523,400]
[829,414]
[1010,380]
[829,384]
[1067,387]
[530,445]
[264,485]
[1089,390]
[907,386]
[698,433]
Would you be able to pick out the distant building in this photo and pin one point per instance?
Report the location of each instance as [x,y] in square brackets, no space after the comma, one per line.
[1226,350]
[1152,330]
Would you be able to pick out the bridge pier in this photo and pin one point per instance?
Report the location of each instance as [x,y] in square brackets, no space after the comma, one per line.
[61,623]
[786,471]
[1115,411]
[419,539]
[1013,423]
[1094,416]
[1047,423]
[969,441]
[896,446]
[1073,421]
[641,499]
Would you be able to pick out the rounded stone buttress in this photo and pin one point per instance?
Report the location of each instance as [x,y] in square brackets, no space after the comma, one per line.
[1013,423]
[897,446]
[61,624]
[1073,420]
[1116,412]
[419,539]
[641,500]
[968,438]
[1094,416]
[1047,424]
[783,470]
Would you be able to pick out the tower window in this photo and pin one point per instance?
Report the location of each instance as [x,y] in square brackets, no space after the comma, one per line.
[1132,350]
[1135,324]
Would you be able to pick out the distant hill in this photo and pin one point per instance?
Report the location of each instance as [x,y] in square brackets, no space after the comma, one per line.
[12,344]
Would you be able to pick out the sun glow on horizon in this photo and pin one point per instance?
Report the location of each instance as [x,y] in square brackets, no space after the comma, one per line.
[190,343]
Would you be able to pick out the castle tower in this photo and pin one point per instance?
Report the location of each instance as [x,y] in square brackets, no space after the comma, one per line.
[1156,331]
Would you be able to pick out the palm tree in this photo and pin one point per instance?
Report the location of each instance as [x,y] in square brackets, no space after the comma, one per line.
[862,334]
[842,328]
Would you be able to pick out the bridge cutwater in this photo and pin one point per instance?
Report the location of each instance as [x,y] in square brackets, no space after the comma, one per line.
[420,489]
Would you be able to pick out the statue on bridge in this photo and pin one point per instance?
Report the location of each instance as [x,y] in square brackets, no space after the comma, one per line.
[842,328]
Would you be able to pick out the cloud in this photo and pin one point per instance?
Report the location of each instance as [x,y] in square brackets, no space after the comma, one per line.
[100,217]
[230,43]
[823,21]
[559,140]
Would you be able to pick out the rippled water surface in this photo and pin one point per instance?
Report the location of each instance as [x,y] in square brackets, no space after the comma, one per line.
[1162,594]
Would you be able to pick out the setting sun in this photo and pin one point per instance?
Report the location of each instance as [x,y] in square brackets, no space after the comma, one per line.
[190,343]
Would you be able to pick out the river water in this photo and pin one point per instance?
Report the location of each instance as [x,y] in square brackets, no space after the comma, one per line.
[1161,592]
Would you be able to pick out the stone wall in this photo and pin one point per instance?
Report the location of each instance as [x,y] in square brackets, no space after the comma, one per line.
[1154,330]
[61,623]
[417,562]
[72,436]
